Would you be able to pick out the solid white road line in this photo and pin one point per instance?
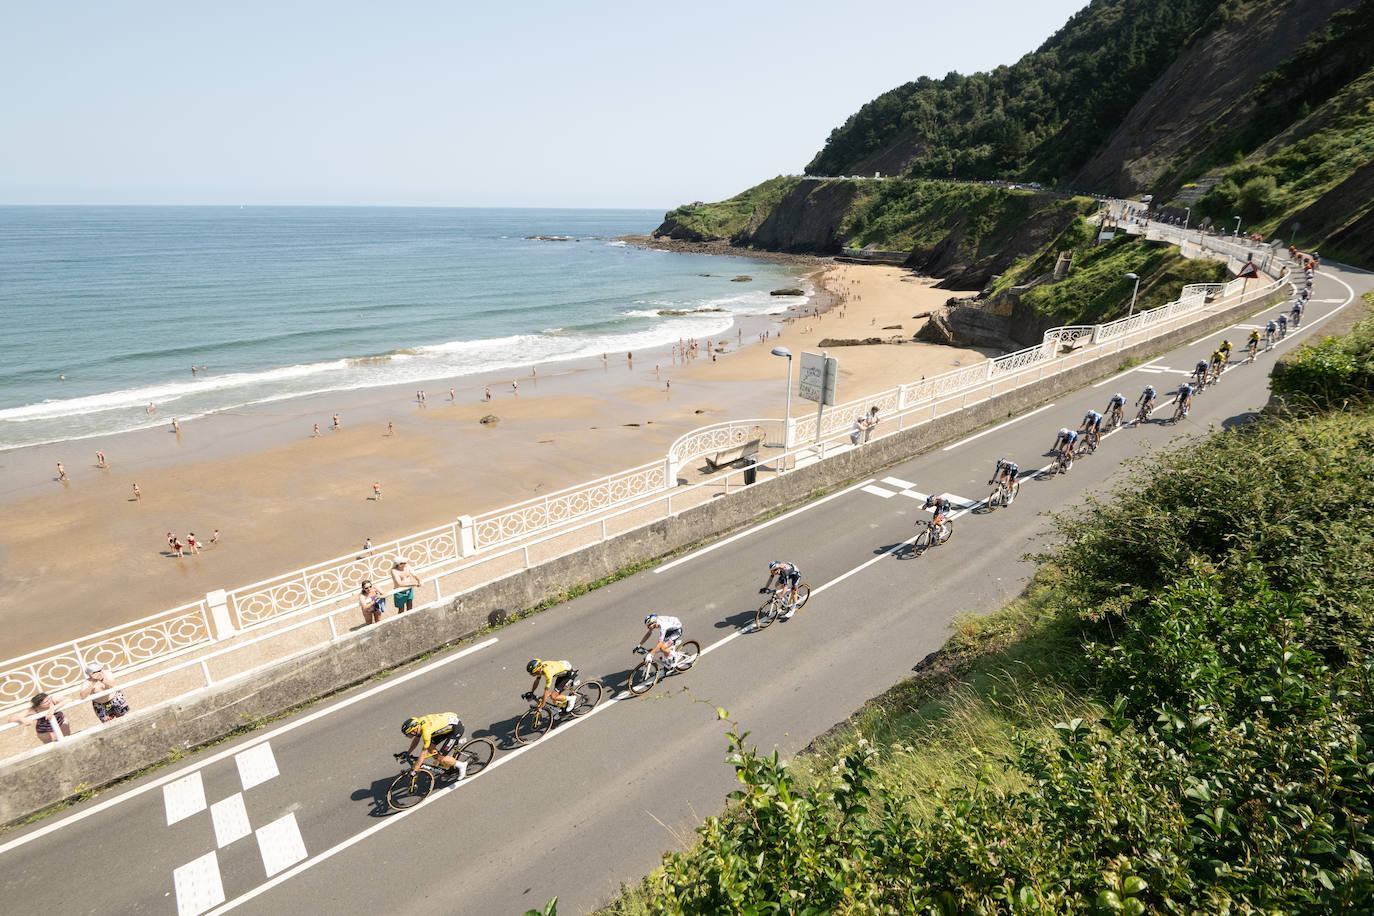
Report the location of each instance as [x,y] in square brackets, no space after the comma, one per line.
[184,772]
[997,427]
[772,521]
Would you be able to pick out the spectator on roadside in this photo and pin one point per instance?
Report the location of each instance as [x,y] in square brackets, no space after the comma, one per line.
[372,601]
[871,423]
[43,706]
[406,581]
[860,425]
[107,705]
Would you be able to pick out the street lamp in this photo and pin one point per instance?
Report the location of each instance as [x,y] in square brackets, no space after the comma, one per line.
[1236,234]
[787,409]
[1187,215]
[1136,278]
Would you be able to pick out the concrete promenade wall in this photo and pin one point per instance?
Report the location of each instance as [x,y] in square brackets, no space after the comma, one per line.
[98,758]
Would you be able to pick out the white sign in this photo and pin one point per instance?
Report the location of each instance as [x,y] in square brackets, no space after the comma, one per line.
[817,379]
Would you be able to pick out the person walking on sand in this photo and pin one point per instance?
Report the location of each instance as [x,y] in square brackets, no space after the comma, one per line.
[515,388]
[406,581]
[61,472]
[176,548]
[100,459]
[138,494]
[171,540]
[452,396]
[488,393]
[192,543]
[317,431]
[390,428]
[367,546]
[214,538]
[376,491]
[337,424]
[176,427]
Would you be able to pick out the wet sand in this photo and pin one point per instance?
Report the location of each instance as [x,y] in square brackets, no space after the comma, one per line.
[84,555]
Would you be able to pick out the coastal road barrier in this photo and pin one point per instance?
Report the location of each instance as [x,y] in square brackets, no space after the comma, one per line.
[94,758]
[568,514]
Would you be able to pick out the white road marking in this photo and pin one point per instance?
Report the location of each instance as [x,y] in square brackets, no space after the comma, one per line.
[879,491]
[1154,371]
[898,483]
[183,798]
[757,528]
[998,426]
[346,703]
[230,818]
[198,885]
[280,844]
[256,765]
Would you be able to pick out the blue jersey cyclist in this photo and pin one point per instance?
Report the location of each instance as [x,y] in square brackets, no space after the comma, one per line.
[1200,371]
[788,576]
[1184,396]
[1092,425]
[669,631]
[437,734]
[1147,398]
[1271,331]
[1115,406]
[939,505]
[1066,438]
[1006,471]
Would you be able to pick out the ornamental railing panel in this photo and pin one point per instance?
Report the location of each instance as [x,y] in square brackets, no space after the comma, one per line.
[717,438]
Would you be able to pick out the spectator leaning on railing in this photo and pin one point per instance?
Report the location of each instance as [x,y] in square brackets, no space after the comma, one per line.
[42,714]
[109,702]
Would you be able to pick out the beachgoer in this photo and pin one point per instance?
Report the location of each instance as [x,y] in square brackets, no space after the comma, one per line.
[176,547]
[872,422]
[176,428]
[406,581]
[193,370]
[489,394]
[515,388]
[376,490]
[390,428]
[191,542]
[138,494]
[61,472]
[372,602]
[214,538]
[107,705]
[452,396]
[367,545]
[171,540]
[152,408]
[42,707]
[100,459]
[317,430]
[337,424]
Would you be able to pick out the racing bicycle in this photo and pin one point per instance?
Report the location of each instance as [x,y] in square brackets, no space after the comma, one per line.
[1115,417]
[646,674]
[931,535]
[773,608]
[413,785]
[1003,493]
[1143,414]
[1063,460]
[1180,411]
[540,717]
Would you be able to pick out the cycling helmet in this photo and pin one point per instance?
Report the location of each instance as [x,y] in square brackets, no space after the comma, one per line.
[651,620]
[1063,430]
[533,666]
[1226,342]
[1118,397]
[775,565]
[410,727]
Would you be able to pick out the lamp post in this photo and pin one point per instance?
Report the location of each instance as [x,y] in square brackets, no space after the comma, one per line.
[787,405]
[1187,215]
[1236,234]
[1136,278]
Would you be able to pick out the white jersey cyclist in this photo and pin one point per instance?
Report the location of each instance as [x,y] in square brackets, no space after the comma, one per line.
[666,631]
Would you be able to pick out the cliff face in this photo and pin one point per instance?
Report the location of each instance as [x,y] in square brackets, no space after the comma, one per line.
[809,219]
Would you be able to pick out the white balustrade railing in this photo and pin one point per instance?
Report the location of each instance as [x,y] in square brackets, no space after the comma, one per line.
[163,636]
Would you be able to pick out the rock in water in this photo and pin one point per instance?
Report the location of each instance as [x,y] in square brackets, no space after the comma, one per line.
[742,279]
[490,419]
[790,291]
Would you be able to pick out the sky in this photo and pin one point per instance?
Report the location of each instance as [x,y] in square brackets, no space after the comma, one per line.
[591,104]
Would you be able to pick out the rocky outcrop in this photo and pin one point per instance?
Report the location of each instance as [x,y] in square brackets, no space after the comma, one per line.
[790,291]
[965,262]
[808,218]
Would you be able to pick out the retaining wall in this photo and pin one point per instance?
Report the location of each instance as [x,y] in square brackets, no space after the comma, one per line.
[100,757]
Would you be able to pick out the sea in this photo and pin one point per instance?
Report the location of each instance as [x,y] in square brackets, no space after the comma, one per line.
[109,308]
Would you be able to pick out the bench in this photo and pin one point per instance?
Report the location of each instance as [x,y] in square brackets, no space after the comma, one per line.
[734,455]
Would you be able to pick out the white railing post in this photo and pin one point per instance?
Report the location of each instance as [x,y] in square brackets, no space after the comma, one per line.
[205,672]
[217,603]
[669,471]
[467,545]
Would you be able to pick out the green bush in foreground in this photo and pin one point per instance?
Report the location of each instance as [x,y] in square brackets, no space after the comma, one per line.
[1331,372]
[1222,617]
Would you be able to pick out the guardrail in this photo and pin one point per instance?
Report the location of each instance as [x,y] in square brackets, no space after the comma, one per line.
[553,519]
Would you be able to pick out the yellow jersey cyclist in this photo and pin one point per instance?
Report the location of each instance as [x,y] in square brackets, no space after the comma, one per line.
[1254,341]
[557,677]
[1218,360]
[438,734]
[788,577]
[1225,349]
[669,630]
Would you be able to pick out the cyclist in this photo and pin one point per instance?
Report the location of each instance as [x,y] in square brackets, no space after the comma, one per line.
[1296,312]
[669,632]
[1092,425]
[557,677]
[1225,349]
[1067,438]
[940,505]
[1271,331]
[1006,470]
[1115,407]
[1184,396]
[1253,343]
[1218,360]
[788,577]
[438,733]
[1147,399]
[1283,325]
[1200,373]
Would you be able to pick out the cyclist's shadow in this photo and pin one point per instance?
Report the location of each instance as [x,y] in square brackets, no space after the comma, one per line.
[376,793]
[906,550]
[736,621]
[503,732]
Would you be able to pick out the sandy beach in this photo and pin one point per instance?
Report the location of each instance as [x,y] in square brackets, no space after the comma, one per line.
[82,555]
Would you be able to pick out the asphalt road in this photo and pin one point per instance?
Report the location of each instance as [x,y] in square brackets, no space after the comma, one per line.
[293,819]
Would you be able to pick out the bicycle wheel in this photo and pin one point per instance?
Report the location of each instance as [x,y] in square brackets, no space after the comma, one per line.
[533,725]
[589,694]
[643,677]
[688,653]
[946,531]
[409,789]
[803,595]
[477,753]
[766,614]
[922,542]
[994,499]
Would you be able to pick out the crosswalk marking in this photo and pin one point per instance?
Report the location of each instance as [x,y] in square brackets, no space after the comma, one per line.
[198,885]
[898,483]
[878,491]
[256,765]
[183,798]
[230,817]
[280,844]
